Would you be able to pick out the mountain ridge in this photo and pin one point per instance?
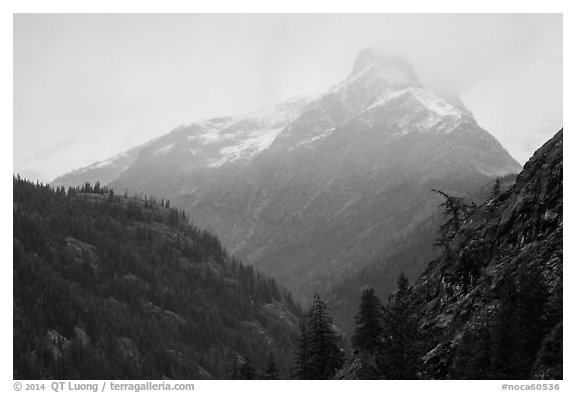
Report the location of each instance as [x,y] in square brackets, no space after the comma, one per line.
[125,288]
[379,71]
[308,189]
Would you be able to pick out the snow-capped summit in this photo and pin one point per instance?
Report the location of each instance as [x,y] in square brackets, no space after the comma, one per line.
[388,67]
[379,81]
[313,187]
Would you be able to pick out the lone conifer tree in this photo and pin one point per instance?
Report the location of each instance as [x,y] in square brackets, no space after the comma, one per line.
[455,211]
[496,189]
[367,338]
[400,358]
[319,355]
[368,332]
[494,199]
[303,366]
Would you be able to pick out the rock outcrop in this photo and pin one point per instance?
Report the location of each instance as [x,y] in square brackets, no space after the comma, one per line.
[514,235]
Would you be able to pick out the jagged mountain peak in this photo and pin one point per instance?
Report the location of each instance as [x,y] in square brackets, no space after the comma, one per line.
[301,188]
[384,65]
[380,81]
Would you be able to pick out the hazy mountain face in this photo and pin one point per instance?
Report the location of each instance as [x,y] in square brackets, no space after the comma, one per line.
[317,187]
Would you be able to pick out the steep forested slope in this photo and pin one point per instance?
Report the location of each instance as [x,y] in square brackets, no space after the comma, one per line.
[124,288]
[491,305]
[409,256]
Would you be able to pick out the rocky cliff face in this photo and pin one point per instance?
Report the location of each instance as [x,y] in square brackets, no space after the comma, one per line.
[514,235]
[410,256]
[316,187]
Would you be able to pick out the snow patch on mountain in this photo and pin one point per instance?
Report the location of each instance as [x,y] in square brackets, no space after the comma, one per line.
[240,137]
[284,113]
[427,99]
[434,103]
[165,149]
[308,142]
[387,97]
[351,79]
[441,115]
[247,148]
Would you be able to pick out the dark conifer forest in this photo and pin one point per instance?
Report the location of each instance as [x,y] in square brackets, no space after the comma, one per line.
[108,286]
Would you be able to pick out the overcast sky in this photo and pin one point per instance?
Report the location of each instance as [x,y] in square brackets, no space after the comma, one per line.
[90,86]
